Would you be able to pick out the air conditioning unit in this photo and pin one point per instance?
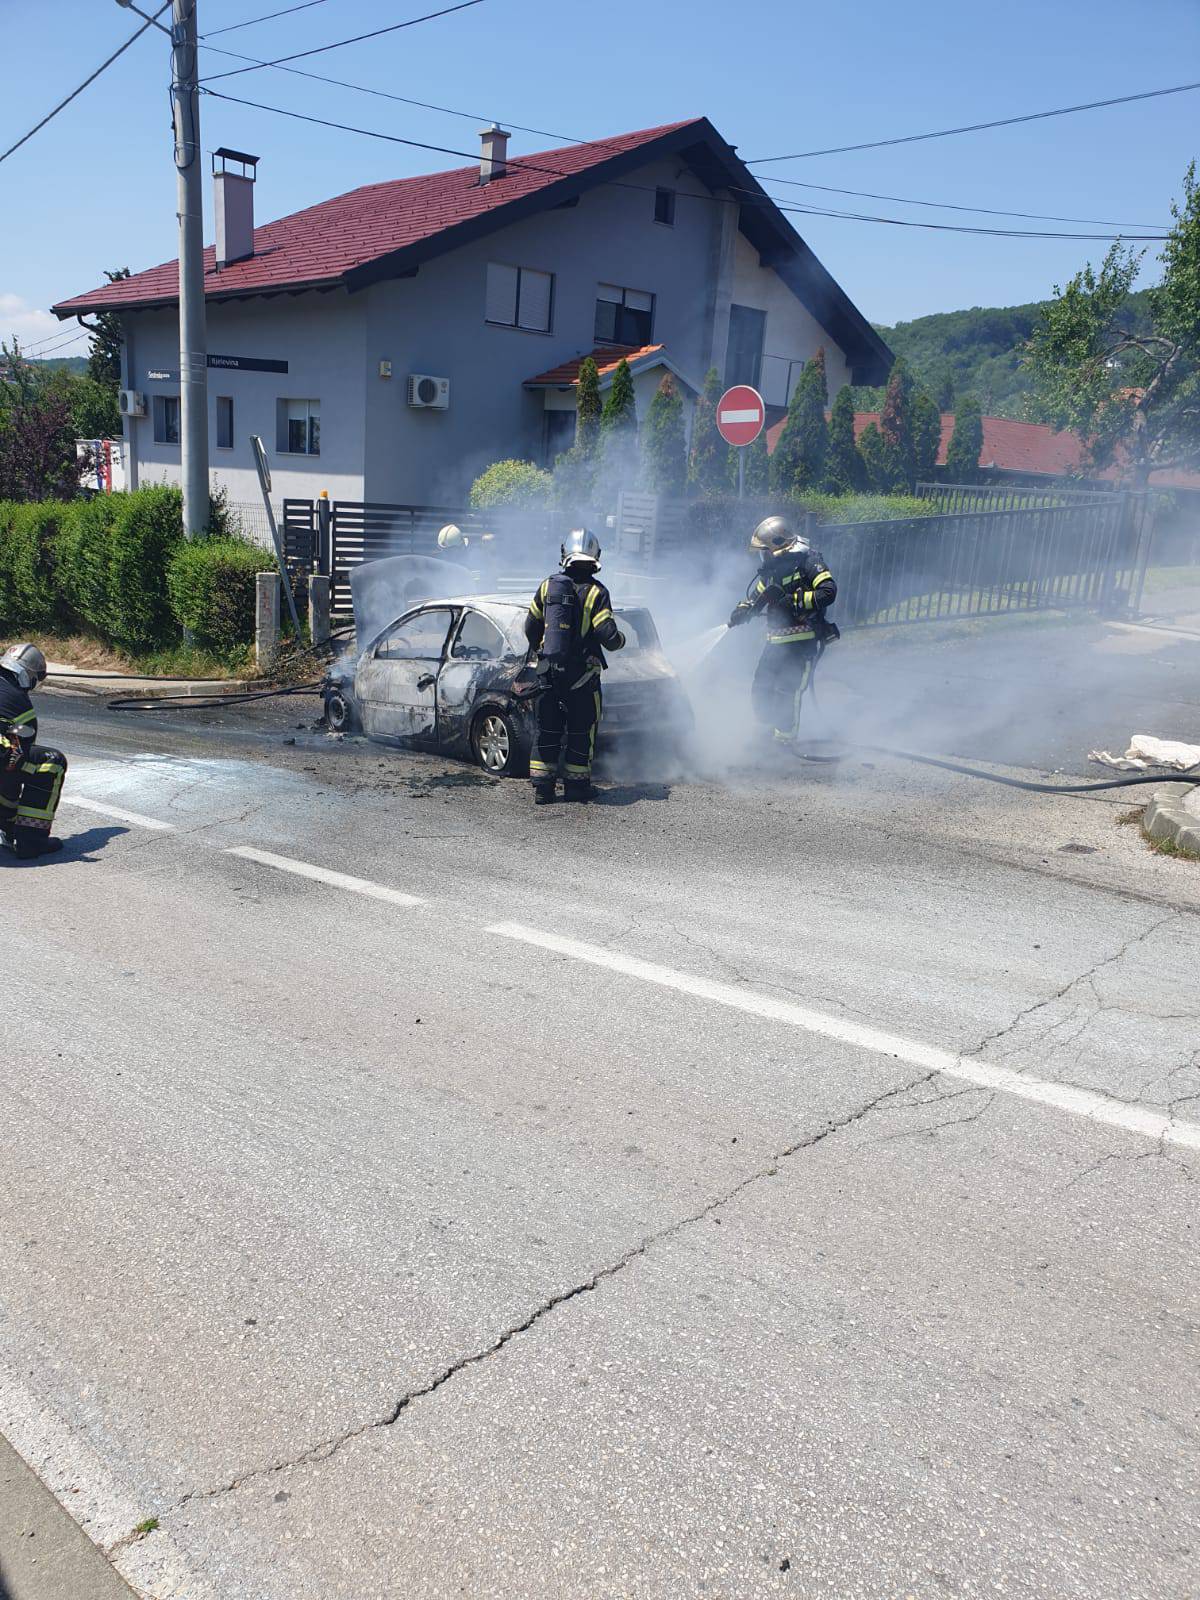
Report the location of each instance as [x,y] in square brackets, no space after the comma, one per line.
[428,394]
[132,403]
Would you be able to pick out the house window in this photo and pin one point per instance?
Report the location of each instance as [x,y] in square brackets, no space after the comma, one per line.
[743,353]
[664,206]
[224,422]
[519,297]
[623,316]
[560,434]
[298,427]
[166,419]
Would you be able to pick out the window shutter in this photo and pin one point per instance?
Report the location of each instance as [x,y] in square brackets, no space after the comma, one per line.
[534,310]
[638,300]
[501,294]
[609,292]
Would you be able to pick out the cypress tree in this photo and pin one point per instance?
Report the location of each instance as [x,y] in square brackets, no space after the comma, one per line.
[896,424]
[619,417]
[962,455]
[758,467]
[618,463]
[879,460]
[708,467]
[927,436]
[664,442]
[845,472]
[799,459]
[587,410]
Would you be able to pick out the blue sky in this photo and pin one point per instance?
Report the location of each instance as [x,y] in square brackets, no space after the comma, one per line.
[96,187]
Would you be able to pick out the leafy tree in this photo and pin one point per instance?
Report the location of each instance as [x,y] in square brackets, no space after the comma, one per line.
[879,461]
[664,441]
[799,459]
[896,424]
[708,468]
[510,483]
[95,413]
[845,471]
[962,453]
[587,410]
[1133,395]
[38,460]
[927,436]
[104,351]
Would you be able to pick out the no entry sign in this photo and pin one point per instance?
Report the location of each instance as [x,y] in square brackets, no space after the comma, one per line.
[740,414]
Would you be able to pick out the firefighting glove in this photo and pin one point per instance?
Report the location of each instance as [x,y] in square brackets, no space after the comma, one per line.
[739,614]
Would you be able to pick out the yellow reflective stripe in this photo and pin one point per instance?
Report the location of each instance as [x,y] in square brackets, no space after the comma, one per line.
[589,606]
[576,772]
[536,607]
[790,638]
[601,616]
[808,599]
[538,767]
[822,577]
[26,716]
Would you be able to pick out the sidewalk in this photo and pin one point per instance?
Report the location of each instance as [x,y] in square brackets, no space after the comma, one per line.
[43,1554]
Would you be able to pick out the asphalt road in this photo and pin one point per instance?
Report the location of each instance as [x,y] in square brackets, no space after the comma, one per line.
[773,1180]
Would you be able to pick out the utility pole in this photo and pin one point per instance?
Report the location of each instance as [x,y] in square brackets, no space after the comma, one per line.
[193,338]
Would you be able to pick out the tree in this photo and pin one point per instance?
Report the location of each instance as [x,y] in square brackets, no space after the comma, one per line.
[879,461]
[664,441]
[104,351]
[845,471]
[962,453]
[38,459]
[1133,394]
[510,483]
[758,467]
[927,436]
[799,459]
[618,466]
[587,410]
[896,425]
[708,468]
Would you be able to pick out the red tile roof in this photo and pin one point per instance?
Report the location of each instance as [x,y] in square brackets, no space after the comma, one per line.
[1008,446]
[321,246]
[608,358]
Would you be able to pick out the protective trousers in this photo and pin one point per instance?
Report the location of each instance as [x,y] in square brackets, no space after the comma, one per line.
[575,713]
[784,672]
[30,789]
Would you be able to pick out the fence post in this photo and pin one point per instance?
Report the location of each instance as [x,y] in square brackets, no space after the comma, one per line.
[266,618]
[324,521]
[318,607]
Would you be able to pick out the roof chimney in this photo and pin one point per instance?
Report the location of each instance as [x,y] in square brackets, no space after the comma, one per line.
[493,154]
[233,205]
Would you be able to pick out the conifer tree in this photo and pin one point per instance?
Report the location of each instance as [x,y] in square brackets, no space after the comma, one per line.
[619,416]
[927,436]
[587,409]
[708,467]
[618,466]
[896,425]
[758,467]
[845,471]
[879,460]
[799,459]
[664,442]
[962,454]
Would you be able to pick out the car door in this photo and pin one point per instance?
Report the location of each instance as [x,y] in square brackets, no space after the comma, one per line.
[397,684]
[478,651]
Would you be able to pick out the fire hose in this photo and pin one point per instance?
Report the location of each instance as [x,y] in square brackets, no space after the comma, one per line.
[191,702]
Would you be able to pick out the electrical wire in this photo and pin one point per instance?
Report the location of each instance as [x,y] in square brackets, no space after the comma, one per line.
[232,27]
[300,55]
[530,164]
[44,350]
[976,127]
[24,139]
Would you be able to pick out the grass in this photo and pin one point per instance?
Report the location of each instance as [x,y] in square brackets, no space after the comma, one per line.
[1160,578]
[1171,847]
[1134,814]
[173,661]
[148,1526]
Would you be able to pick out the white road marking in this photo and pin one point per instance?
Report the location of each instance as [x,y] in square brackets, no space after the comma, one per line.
[752,415]
[121,815]
[1061,1096]
[336,880]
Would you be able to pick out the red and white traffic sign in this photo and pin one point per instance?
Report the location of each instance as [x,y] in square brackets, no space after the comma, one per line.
[740,414]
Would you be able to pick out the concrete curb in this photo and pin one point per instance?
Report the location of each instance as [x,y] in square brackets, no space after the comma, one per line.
[1167,818]
[116,686]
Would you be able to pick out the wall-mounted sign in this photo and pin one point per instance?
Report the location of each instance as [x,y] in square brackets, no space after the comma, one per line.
[247,363]
[161,375]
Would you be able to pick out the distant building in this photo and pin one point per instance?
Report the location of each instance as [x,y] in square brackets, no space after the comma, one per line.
[390,343]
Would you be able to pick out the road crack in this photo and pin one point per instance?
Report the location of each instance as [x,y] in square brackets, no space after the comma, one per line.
[770,1169]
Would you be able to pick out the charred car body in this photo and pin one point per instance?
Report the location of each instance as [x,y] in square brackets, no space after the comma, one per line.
[454,675]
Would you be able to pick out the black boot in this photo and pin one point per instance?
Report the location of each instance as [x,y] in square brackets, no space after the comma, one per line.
[578,790]
[30,842]
[543,794]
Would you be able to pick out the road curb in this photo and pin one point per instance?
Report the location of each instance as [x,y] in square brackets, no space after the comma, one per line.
[1167,819]
[150,688]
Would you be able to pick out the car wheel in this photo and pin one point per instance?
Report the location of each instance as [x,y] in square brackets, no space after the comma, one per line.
[341,713]
[499,744]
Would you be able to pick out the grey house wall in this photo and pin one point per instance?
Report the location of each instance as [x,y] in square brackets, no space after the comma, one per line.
[373,445]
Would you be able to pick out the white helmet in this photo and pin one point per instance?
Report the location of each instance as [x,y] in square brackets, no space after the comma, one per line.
[26,663]
[580,546]
[451,537]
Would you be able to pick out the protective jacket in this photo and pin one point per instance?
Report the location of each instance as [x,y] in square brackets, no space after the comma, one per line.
[31,776]
[794,588]
[18,723]
[570,624]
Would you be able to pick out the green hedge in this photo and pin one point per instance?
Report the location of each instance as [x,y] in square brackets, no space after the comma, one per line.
[119,567]
[211,585]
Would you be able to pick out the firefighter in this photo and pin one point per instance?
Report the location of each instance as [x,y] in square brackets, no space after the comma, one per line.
[795,588]
[31,776]
[570,625]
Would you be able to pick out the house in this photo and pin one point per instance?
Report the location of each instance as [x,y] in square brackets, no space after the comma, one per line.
[389,343]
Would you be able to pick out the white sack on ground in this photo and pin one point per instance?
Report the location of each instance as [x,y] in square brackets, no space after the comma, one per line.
[1147,751]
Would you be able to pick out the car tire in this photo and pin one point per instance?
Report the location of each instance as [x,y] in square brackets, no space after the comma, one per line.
[341,712]
[500,743]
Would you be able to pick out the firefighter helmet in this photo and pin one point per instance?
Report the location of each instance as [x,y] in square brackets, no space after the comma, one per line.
[26,663]
[451,537]
[579,547]
[774,535]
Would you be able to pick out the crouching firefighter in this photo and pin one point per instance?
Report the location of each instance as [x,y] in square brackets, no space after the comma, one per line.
[31,776]
[794,587]
[570,625]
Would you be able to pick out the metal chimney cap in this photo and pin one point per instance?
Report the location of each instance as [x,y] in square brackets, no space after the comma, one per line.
[224,154]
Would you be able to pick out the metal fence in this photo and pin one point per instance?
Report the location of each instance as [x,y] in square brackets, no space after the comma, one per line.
[249,517]
[1004,496]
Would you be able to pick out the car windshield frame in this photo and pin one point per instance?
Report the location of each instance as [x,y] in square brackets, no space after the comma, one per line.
[404,619]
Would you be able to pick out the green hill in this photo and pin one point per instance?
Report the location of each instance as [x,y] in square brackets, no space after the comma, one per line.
[74,364]
[974,352]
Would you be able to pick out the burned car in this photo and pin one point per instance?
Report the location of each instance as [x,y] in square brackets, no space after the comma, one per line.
[453,675]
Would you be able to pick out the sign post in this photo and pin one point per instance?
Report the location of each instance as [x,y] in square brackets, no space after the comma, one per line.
[264,483]
[741,413]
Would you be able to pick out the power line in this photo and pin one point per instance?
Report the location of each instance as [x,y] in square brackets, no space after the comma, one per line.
[530,164]
[976,127]
[90,79]
[299,55]
[946,205]
[232,27]
[45,349]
